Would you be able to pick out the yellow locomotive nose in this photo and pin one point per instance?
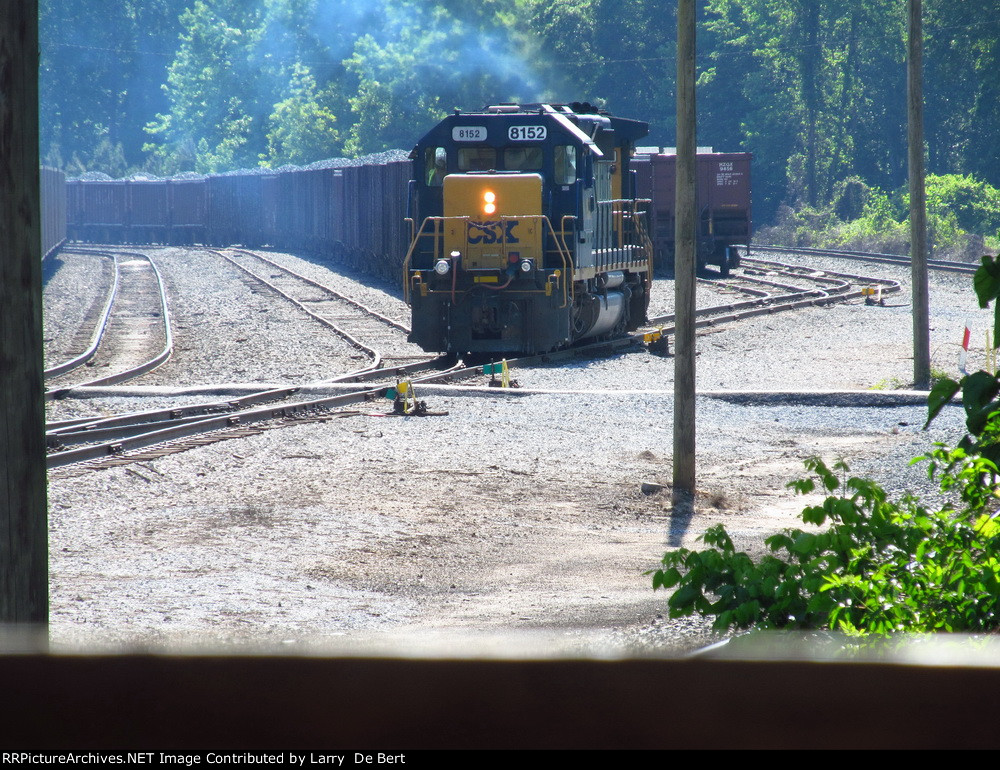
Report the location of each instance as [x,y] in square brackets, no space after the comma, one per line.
[490,216]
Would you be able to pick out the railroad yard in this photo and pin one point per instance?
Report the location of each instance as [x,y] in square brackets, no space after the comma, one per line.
[529,513]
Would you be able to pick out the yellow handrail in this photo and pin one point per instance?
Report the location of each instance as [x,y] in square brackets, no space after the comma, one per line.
[561,249]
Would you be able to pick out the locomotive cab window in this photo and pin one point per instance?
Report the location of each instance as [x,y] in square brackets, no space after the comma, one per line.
[477,158]
[436,165]
[523,158]
[565,164]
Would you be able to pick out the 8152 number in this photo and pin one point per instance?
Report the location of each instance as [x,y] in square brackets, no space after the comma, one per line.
[526,133]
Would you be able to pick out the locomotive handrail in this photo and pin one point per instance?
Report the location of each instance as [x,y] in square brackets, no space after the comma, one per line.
[645,241]
[409,253]
[568,268]
[438,236]
[619,233]
[563,230]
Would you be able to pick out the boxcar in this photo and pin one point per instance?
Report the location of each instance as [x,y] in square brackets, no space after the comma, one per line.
[147,216]
[97,211]
[723,205]
[241,208]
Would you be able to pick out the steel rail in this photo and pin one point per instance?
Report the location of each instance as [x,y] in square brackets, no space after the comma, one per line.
[136,371]
[88,430]
[349,300]
[102,324]
[351,340]
[863,256]
[183,426]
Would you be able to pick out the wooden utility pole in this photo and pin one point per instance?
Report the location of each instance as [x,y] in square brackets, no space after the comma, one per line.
[918,200]
[24,596]
[685,264]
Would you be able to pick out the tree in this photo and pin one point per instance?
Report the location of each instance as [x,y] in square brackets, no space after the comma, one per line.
[302,129]
[214,106]
[101,66]
[426,61]
[962,55]
[617,55]
[817,84]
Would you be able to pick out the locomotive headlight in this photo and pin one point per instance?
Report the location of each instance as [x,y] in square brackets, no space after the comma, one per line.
[442,266]
[489,202]
[526,266]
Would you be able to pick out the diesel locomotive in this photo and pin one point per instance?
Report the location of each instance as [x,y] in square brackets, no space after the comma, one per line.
[526,231]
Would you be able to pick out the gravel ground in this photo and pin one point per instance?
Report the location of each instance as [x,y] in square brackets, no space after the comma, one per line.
[513,515]
[76,289]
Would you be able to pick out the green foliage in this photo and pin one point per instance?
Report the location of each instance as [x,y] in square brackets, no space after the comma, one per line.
[618,55]
[302,128]
[980,390]
[974,204]
[101,66]
[879,566]
[815,90]
[430,59]
[871,565]
[961,212]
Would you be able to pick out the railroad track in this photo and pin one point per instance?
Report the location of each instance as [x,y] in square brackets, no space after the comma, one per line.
[90,440]
[828,287]
[864,256]
[133,334]
[92,326]
[81,439]
[368,331]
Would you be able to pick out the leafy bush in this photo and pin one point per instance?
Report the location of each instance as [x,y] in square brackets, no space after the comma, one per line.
[974,204]
[962,214]
[880,566]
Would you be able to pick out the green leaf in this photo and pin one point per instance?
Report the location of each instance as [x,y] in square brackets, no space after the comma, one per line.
[683,598]
[942,393]
[668,578]
[814,514]
[978,392]
[802,486]
[779,541]
[804,544]
[986,281]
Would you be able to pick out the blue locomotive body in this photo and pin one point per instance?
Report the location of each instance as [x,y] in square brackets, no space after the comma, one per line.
[527,234]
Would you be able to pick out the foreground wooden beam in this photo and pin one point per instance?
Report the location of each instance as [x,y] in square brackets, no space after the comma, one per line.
[23,527]
[162,703]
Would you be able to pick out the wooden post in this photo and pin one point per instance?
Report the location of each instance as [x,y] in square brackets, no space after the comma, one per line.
[23,525]
[918,200]
[685,264]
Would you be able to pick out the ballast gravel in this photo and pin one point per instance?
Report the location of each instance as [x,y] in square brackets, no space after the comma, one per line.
[506,518]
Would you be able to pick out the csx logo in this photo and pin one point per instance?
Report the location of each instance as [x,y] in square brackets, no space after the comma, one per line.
[492,232]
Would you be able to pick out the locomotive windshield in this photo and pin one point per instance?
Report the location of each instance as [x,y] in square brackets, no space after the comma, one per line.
[436,163]
[565,164]
[477,158]
[523,159]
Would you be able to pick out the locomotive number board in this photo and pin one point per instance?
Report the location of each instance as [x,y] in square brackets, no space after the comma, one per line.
[527,133]
[468,134]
